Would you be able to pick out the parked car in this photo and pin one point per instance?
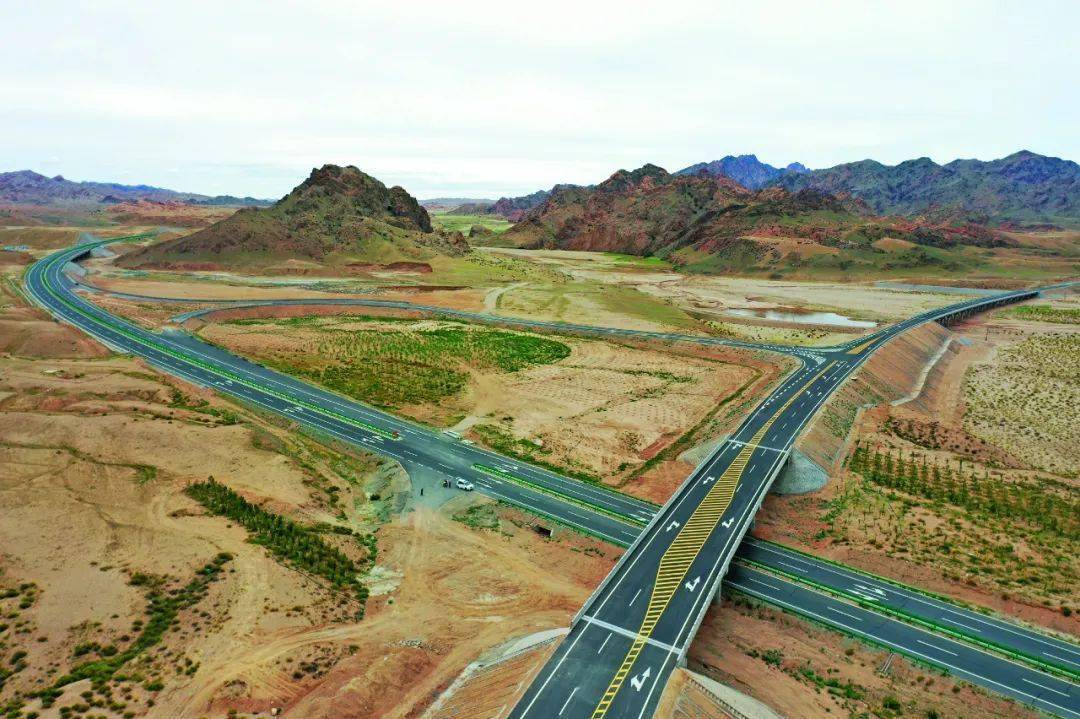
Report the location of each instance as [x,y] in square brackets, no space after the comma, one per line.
[464,484]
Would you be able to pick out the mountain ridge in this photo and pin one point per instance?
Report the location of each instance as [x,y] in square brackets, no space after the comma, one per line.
[33,188]
[1024,187]
[747,170]
[708,223]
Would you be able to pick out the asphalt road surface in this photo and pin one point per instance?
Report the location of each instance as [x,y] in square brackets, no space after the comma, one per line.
[1042,691]
[1050,652]
[744,465]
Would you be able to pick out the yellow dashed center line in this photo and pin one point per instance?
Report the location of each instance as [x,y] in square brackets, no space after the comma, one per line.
[679,557]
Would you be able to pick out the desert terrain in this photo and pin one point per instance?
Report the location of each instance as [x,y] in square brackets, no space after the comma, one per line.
[187,595]
[98,529]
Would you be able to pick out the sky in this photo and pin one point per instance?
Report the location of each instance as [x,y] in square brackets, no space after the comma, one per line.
[483,99]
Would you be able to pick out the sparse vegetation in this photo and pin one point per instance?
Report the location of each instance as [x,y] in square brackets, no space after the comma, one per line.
[505,443]
[182,401]
[479,516]
[1042,505]
[164,606]
[1025,402]
[1013,535]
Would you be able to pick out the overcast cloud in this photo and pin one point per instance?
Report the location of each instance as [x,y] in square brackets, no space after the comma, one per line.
[484,99]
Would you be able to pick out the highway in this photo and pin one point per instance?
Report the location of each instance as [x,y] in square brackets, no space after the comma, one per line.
[611,516]
[607,514]
[1051,694]
[1037,648]
[637,626]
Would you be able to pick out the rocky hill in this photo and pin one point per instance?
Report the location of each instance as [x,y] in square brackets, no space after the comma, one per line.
[746,170]
[712,224]
[32,188]
[1022,188]
[337,216]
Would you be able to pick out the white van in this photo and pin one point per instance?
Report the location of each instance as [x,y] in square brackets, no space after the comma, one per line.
[451,434]
[464,484]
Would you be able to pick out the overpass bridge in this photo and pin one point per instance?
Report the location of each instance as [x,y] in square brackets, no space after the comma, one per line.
[638,625]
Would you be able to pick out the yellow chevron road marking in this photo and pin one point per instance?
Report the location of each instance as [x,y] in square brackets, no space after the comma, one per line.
[860,348]
[686,546]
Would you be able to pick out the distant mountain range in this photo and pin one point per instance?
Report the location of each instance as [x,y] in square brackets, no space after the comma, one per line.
[747,170]
[1022,188]
[337,216]
[511,208]
[32,188]
[447,204]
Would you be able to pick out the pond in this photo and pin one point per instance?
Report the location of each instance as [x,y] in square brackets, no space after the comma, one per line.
[803,318]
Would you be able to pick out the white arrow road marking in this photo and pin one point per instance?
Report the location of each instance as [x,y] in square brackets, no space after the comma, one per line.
[864,597]
[727,524]
[639,681]
[693,585]
[870,594]
[873,590]
[674,525]
[708,479]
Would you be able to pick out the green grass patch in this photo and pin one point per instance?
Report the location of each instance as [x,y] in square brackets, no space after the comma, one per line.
[396,368]
[464,223]
[1045,313]
[652,263]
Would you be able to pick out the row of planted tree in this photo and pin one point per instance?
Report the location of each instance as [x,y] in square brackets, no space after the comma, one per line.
[969,487]
[295,544]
